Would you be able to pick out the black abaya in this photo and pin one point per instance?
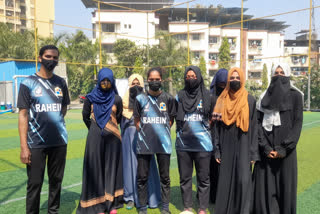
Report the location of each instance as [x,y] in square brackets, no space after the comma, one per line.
[236,150]
[102,184]
[275,180]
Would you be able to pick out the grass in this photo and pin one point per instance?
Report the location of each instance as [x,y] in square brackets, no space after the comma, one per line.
[13,174]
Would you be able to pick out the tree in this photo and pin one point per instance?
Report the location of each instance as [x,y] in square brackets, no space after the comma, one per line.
[301,82]
[16,45]
[253,88]
[126,52]
[138,66]
[78,48]
[203,68]
[224,54]
[169,52]
[265,83]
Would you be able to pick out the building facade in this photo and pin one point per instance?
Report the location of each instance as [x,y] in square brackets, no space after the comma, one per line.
[19,15]
[263,40]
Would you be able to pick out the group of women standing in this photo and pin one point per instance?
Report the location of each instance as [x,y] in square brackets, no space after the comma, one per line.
[223,132]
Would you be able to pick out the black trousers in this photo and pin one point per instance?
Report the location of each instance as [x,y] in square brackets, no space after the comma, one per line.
[56,159]
[143,173]
[202,165]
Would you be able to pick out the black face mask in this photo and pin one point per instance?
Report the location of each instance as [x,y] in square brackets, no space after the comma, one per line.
[135,90]
[219,90]
[155,85]
[49,64]
[191,83]
[235,85]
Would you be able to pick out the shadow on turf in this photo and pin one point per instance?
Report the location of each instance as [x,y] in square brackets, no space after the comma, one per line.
[67,205]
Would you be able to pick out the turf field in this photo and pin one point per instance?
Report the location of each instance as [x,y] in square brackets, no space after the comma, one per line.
[13,174]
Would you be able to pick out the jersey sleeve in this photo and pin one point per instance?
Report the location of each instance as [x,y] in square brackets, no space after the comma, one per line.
[65,92]
[24,97]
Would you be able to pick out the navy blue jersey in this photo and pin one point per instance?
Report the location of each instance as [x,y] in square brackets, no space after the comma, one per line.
[44,98]
[154,113]
[195,134]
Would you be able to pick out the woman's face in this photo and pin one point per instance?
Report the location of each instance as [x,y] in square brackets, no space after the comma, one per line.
[105,84]
[235,77]
[279,71]
[154,76]
[191,75]
[135,82]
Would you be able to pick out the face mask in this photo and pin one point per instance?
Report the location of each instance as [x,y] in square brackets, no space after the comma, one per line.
[155,85]
[219,90]
[49,64]
[235,85]
[135,90]
[282,79]
[191,83]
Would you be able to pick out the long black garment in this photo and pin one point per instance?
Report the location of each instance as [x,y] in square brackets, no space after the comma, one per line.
[275,180]
[214,166]
[102,182]
[236,149]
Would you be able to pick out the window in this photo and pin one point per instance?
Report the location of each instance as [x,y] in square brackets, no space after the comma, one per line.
[107,48]
[280,43]
[125,26]
[94,33]
[23,23]
[251,58]
[233,57]
[23,10]
[213,40]
[9,13]
[232,41]
[129,26]
[255,43]
[1,12]
[213,56]
[254,75]
[108,27]
[196,36]
[196,54]
[181,36]
[9,3]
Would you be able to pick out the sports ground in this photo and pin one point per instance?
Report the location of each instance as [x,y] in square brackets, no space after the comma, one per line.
[13,176]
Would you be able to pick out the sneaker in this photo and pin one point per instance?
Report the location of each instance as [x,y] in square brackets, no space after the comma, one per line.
[130,205]
[144,211]
[165,212]
[202,212]
[113,211]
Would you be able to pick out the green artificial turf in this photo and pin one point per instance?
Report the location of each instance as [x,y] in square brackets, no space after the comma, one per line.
[13,174]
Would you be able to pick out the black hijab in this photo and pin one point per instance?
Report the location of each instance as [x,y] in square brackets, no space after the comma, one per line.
[277,97]
[190,96]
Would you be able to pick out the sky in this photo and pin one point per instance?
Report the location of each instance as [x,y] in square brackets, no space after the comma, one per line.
[74,13]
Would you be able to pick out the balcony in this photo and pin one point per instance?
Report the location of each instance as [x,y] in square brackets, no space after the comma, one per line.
[255,46]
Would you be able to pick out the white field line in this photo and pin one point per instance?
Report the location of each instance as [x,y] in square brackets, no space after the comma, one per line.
[42,193]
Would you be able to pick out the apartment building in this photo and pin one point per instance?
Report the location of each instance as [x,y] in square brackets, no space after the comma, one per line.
[19,15]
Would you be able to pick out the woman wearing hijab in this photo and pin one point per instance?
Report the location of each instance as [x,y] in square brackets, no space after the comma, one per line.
[102,184]
[193,143]
[236,145]
[129,140]
[280,115]
[218,84]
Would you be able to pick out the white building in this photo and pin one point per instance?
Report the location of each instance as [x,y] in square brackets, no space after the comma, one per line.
[263,39]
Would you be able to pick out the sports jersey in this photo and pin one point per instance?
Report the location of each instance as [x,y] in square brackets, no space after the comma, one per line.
[194,136]
[154,135]
[44,99]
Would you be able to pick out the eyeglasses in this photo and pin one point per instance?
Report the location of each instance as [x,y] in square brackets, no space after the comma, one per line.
[233,78]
